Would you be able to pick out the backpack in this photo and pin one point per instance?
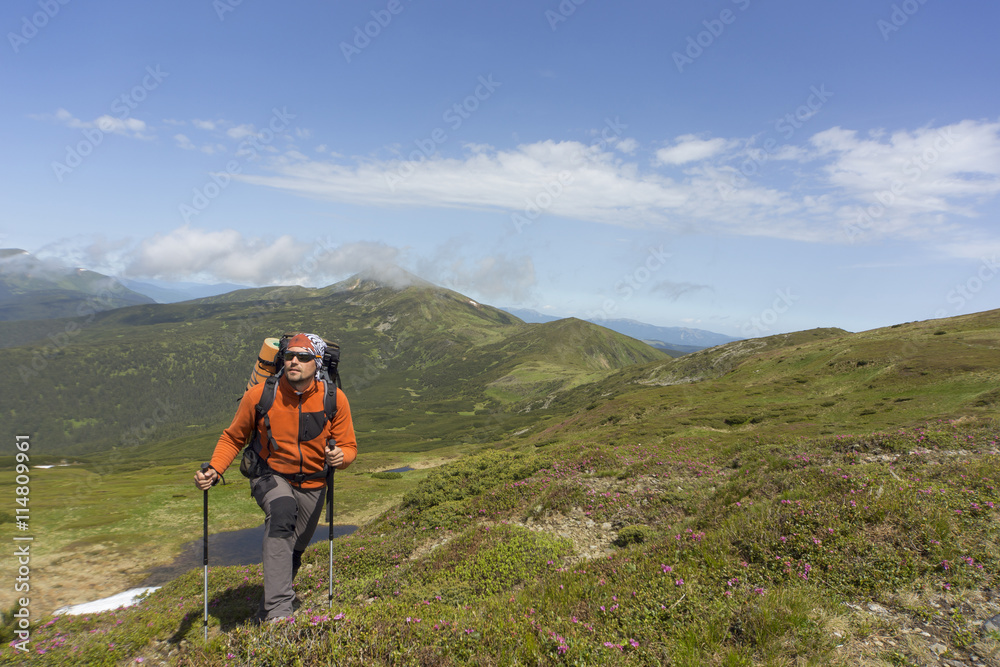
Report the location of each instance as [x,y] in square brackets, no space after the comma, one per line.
[252,464]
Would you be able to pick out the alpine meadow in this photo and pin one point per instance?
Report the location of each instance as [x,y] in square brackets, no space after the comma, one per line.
[569,495]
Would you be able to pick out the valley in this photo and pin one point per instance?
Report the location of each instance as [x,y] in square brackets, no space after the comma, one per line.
[575,493]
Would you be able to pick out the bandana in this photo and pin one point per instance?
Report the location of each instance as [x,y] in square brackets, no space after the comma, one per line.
[310,342]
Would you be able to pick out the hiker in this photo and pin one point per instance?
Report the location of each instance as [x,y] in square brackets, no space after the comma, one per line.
[290,487]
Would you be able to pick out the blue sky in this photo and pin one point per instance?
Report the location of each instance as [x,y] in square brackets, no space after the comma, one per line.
[739,166]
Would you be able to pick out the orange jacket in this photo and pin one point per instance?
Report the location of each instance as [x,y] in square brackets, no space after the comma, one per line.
[293,416]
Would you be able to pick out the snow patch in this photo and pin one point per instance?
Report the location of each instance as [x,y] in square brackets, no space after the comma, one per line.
[126,599]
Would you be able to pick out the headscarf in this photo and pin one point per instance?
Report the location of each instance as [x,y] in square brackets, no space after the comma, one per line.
[310,342]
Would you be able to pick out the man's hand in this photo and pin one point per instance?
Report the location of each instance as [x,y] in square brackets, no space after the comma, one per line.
[334,454]
[204,479]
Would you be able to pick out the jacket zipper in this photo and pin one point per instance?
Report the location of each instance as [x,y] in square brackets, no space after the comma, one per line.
[298,440]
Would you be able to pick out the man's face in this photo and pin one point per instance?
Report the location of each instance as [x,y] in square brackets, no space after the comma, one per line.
[297,370]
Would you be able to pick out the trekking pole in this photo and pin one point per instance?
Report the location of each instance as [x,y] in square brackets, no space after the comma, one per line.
[329,518]
[204,467]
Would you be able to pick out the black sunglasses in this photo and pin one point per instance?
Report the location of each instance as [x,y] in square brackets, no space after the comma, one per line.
[304,357]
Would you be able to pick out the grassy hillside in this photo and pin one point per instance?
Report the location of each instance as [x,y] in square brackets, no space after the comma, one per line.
[768,502]
[416,363]
[34,289]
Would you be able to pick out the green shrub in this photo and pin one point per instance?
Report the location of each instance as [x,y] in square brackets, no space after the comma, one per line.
[471,476]
[504,556]
[637,534]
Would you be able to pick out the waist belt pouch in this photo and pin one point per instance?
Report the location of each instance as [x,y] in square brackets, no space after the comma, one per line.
[251,465]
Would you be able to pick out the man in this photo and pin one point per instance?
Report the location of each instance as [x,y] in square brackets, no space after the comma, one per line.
[298,444]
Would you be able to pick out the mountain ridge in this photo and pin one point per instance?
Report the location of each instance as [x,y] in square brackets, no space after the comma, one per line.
[677,339]
[31,288]
[416,356]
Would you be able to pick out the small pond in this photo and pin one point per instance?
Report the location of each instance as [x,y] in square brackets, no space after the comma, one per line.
[238,547]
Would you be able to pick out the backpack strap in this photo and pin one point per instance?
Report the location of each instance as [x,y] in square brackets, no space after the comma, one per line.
[261,410]
[331,378]
[329,399]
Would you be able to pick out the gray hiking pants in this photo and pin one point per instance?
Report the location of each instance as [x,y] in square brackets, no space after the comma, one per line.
[290,518]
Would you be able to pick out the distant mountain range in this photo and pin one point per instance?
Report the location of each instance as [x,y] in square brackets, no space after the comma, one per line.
[670,339]
[35,289]
[168,292]
[428,365]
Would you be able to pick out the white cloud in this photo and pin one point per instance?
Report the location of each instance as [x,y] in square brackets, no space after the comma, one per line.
[495,277]
[627,146]
[240,131]
[690,148]
[598,187]
[184,142]
[126,127]
[204,124]
[188,253]
[929,170]
[944,172]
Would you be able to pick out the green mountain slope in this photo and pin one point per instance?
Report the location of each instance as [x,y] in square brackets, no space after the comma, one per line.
[31,289]
[812,498]
[809,383]
[416,364]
